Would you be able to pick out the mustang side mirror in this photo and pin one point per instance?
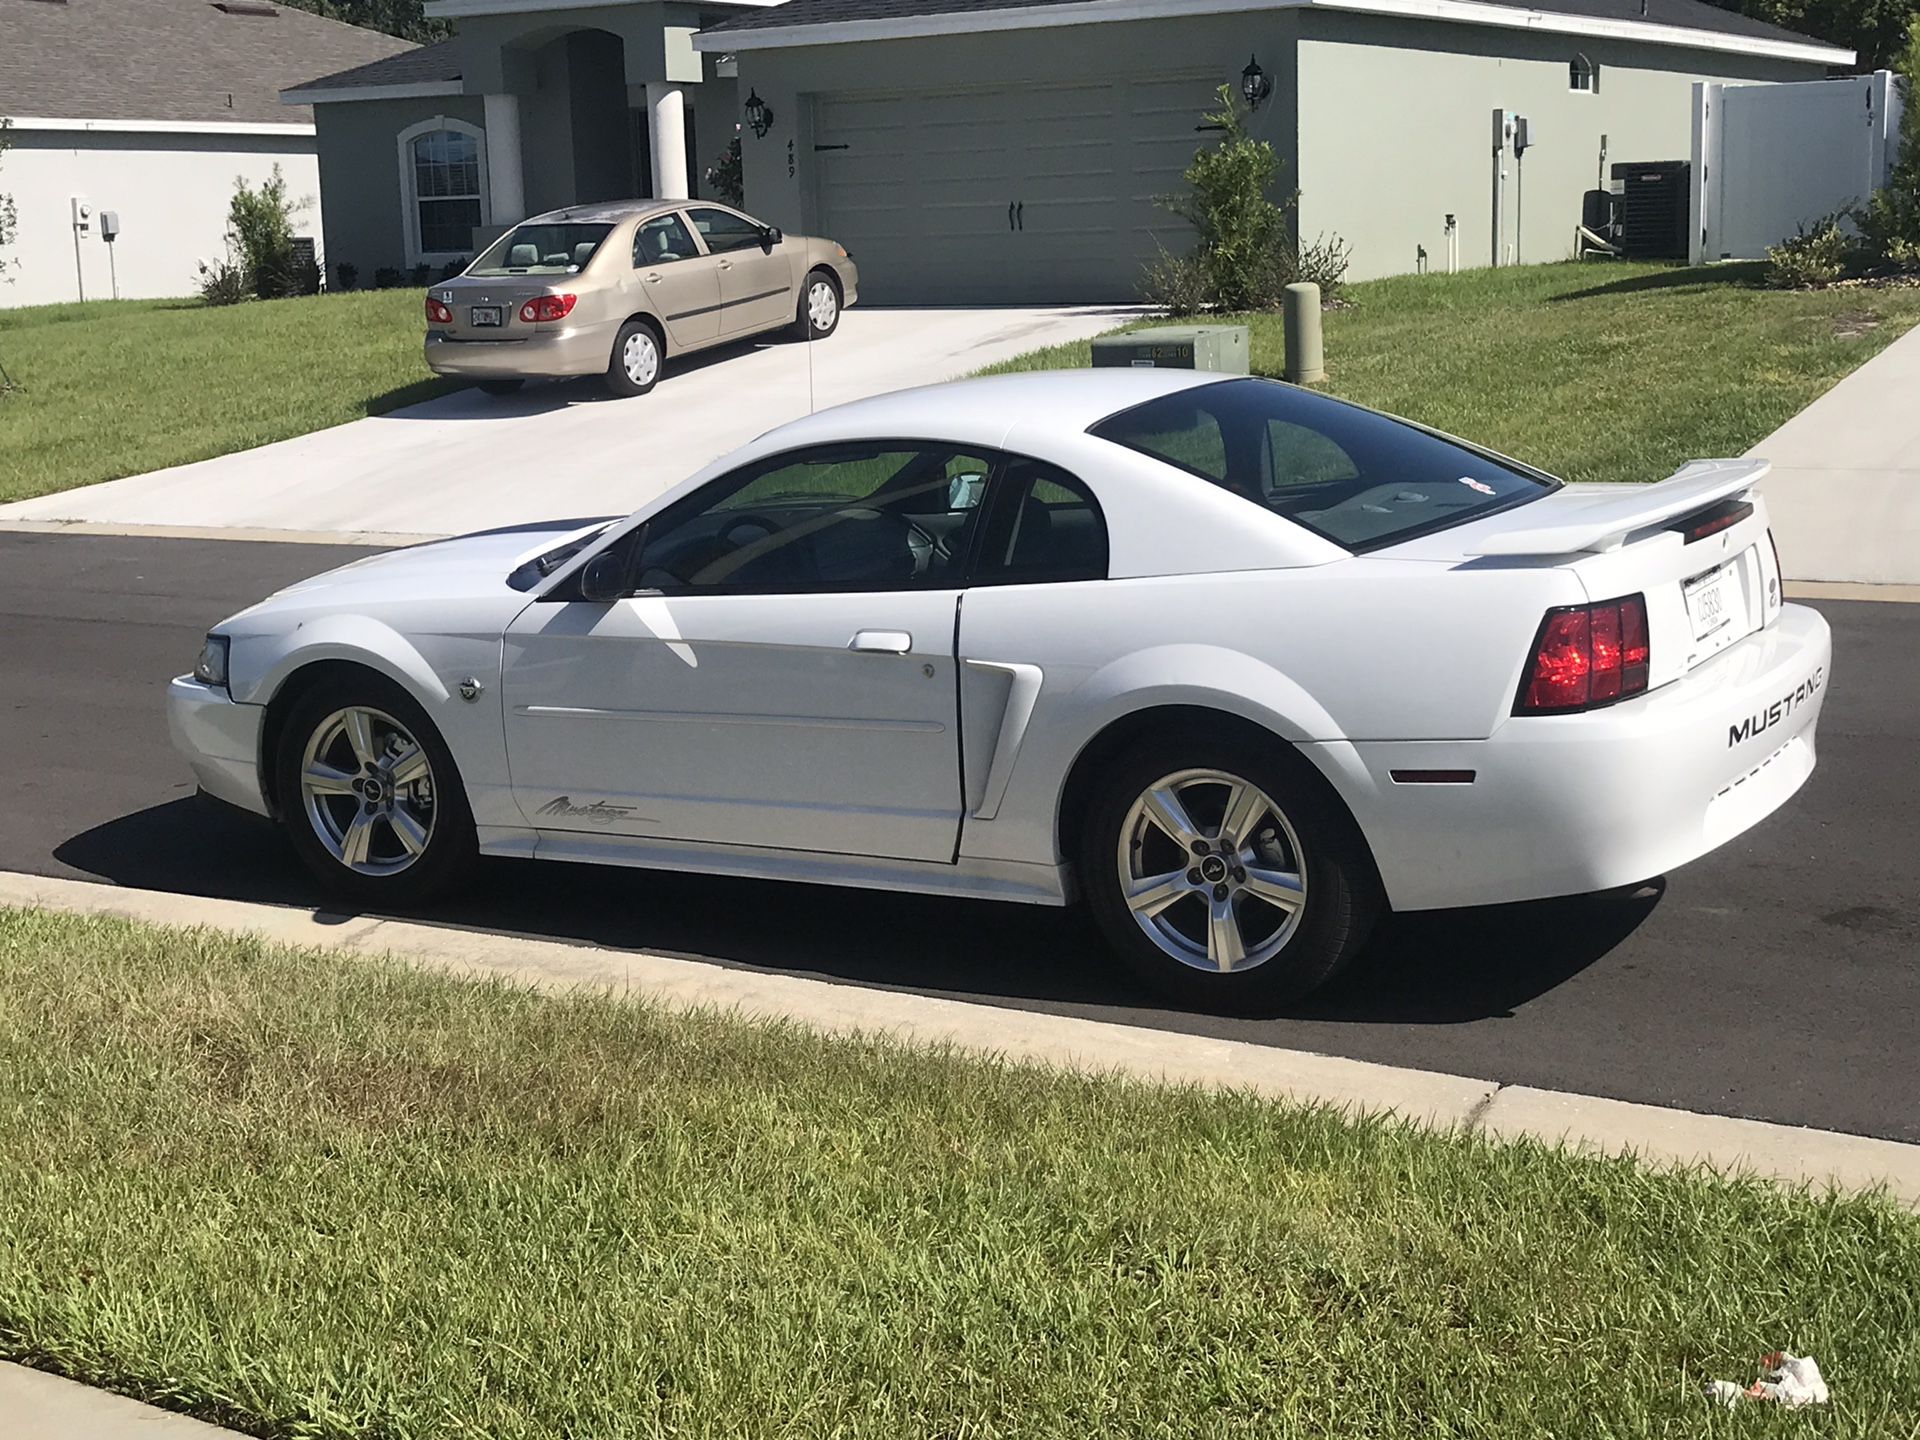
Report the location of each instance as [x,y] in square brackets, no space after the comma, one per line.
[603,578]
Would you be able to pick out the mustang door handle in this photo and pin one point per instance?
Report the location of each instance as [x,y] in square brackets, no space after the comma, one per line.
[881,642]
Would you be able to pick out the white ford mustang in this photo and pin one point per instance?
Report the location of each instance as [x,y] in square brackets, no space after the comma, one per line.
[1238,663]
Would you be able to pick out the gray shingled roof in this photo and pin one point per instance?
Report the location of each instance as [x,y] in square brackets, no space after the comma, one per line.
[428,65]
[1687,14]
[168,59]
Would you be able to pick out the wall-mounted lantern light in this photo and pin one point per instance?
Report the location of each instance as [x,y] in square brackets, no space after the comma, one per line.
[1255,84]
[759,114]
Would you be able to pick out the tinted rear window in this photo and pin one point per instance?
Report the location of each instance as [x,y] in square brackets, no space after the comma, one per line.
[551,249]
[1354,477]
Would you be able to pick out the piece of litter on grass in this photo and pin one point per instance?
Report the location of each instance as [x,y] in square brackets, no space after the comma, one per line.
[1790,1380]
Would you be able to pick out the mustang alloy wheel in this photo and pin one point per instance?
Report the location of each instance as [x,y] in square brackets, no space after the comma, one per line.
[368,791]
[367,788]
[1211,870]
[1224,872]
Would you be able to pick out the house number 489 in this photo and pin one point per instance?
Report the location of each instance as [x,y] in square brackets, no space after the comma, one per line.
[789,159]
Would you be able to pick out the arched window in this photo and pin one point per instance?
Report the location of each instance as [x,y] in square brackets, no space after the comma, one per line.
[1584,75]
[443,186]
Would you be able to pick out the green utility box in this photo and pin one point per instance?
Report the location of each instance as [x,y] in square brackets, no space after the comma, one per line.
[1177,347]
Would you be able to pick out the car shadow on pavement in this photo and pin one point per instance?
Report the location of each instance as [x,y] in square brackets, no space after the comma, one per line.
[1437,968]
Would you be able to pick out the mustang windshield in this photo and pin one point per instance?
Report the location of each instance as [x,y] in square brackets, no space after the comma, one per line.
[1351,476]
[543,249]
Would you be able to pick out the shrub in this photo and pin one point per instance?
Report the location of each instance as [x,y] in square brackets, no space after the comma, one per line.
[346,275]
[386,278]
[726,177]
[8,216]
[224,282]
[260,233]
[1890,220]
[1813,258]
[1245,251]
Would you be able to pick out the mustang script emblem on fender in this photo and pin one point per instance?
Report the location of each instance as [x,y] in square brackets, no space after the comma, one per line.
[598,813]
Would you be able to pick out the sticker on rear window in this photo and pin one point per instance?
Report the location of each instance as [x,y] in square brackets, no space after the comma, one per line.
[1473,484]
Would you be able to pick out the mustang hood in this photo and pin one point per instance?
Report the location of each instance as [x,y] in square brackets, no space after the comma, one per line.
[489,562]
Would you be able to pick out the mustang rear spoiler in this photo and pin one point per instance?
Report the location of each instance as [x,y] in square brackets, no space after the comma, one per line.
[1602,518]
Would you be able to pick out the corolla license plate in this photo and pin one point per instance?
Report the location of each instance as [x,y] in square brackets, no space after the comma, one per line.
[1712,600]
[478,315]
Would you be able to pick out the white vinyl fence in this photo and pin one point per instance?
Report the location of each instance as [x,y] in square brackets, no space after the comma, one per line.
[1768,159]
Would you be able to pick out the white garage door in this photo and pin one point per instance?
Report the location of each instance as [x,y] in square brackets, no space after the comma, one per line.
[1026,194]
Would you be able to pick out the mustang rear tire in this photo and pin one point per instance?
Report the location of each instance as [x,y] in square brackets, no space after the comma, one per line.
[370,795]
[1224,875]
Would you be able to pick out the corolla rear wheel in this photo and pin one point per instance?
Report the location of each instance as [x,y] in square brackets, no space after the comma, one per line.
[369,793]
[1223,876]
[637,359]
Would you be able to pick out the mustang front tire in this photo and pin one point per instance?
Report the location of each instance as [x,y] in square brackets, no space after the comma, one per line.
[369,793]
[1224,875]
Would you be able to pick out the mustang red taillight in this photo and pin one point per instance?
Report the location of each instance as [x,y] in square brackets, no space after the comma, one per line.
[547,307]
[1587,656]
[438,314]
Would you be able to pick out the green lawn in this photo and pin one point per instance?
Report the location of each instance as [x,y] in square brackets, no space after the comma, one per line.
[112,388]
[1594,371]
[1612,372]
[316,1196]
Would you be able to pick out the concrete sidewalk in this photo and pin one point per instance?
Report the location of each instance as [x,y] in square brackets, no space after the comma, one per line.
[562,449]
[37,1406]
[1845,489]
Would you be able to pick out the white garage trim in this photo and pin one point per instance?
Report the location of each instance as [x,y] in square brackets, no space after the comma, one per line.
[162,127]
[1084,12]
[333,95]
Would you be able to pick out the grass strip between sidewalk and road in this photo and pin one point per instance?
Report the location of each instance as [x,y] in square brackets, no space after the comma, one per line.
[313,1195]
[1589,371]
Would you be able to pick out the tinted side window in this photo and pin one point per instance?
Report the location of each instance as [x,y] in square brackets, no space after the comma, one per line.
[663,238]
[724,231]
[885,515]
[1046,526]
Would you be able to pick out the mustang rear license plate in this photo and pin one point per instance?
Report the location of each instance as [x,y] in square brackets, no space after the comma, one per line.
[1712,601]
[478,315]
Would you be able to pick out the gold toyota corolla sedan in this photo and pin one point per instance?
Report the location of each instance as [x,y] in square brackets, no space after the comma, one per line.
[617,289]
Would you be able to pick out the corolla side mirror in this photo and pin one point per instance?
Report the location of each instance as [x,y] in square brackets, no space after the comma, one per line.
[603,579]
[771,236]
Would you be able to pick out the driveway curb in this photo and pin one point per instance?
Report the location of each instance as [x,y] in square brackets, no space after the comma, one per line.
[41,1406]
[1784,1152]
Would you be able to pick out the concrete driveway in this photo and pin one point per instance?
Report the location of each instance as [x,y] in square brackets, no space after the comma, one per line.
[469,461]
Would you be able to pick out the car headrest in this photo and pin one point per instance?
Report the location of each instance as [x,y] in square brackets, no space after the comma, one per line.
[523,255]
[583,252]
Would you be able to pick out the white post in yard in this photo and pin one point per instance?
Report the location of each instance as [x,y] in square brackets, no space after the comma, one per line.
[667,133]
[506,182]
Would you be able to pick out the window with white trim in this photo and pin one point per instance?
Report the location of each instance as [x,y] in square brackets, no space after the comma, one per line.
[1583,75]
[443,178]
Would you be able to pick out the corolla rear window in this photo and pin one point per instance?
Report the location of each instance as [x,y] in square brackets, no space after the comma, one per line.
[559,248]
[1354,477]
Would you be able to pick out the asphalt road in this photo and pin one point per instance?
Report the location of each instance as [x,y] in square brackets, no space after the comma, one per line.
[1778,978]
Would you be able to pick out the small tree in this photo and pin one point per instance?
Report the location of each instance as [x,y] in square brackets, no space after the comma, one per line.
[1245,250]
[260,234]
[726,177]
[1890,221]
[8,218]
